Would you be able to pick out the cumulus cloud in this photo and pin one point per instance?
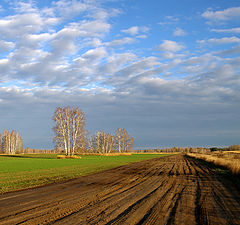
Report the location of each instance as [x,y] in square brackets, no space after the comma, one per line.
[94,28]
[223,15]
[179,32]
[94,55]
[170,46]
[30,23]
[132,30]
[6,46]
[69,9]
[115,62]
[25,7]
[135,30]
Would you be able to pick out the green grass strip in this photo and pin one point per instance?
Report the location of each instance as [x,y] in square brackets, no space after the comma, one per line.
[30,170]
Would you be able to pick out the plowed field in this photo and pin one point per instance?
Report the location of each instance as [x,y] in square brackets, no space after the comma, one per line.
[168,190]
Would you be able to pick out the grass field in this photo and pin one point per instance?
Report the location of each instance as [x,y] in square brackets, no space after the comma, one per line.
[30,170]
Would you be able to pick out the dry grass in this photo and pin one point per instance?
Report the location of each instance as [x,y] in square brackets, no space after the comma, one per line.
[107,154]
[229,160]
[157,153]
[68,157]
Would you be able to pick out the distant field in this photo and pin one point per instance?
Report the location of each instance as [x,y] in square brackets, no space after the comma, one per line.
[31,170]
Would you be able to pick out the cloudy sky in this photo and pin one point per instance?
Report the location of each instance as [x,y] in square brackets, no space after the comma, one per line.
[167,71]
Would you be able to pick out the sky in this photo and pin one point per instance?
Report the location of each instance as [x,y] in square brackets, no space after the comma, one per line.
[167,71]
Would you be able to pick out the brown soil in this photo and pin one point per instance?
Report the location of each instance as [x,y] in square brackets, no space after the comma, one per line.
[168,190]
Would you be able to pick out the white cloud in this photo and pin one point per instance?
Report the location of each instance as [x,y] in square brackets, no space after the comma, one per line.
[168,55]
[115,62]
[95,42]
[179,32]
[94,28]
[95,54]
[99,14]
[132,30]
[172,18]
[5,68]
[225,40]
[25,7]
[230,52]
[123,41]
[6,46]
[13,27]
[170,46]
[69,9]
[224,15]
[135,30]
[169,20]
[143,36]
[88,9]
[29,23]
[230,30]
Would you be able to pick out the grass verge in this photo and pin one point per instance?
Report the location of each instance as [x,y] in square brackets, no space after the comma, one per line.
[220,170]
[228,161]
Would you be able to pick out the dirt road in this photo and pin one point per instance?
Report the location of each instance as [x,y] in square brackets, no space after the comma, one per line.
[168,190]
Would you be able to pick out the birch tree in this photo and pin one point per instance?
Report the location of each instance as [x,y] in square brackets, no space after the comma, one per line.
[102,142]
[123,140]
[11,142]
[118,139]
[70,129]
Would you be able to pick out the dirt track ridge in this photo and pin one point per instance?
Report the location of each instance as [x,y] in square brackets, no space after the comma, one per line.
[168,190]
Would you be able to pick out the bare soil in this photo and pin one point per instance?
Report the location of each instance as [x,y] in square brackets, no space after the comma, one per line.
[168,190]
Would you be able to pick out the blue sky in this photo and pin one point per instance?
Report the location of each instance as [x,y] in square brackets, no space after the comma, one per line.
[167,71]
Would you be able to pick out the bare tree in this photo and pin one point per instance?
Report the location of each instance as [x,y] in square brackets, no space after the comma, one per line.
[69,129]
[61,130]
[11,142]
[118,139]
[123,141]
[110,141]
[19,143]
[101,142]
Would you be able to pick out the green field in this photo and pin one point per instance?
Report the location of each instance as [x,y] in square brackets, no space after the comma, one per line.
[30,170]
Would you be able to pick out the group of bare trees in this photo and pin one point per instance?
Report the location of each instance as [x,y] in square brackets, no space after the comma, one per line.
[103,142]
[11,142]
[72,137]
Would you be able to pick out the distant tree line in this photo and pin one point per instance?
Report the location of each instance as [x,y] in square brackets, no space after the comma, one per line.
[230,148]
[234,147]
[72,137]
[11,142]
[177,149]
[37,151]
[192,149]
